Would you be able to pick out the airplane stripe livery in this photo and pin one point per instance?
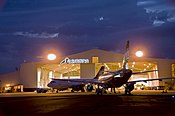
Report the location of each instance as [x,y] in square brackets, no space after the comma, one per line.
[104,80]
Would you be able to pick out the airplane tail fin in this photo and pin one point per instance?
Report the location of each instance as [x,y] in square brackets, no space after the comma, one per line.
[126,56]
[100,72]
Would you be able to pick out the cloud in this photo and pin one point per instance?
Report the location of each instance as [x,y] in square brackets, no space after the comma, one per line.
[171,19]
[42,35]
[158,23]
[159,11]
[142,3]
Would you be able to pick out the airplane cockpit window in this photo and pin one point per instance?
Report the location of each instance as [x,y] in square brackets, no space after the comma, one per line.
[52,82]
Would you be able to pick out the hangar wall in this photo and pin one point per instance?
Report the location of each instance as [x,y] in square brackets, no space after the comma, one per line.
[28,75]
[165,70]
[87,70]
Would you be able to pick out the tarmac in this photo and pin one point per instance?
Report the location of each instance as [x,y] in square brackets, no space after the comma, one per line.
[141,103]
[135,92]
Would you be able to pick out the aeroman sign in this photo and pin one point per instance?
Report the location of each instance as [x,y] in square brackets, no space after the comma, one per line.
[74,61]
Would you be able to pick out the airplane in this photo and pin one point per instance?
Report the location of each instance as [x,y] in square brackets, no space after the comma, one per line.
[75,84]
[104,80]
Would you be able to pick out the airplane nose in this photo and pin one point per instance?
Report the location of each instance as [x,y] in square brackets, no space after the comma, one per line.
[49,84]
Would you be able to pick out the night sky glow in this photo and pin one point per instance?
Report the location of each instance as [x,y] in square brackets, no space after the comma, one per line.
[29,28]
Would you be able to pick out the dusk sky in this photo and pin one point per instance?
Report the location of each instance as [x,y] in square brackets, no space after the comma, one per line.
[31,28]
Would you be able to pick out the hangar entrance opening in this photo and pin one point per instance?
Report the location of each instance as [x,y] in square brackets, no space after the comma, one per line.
[45,72]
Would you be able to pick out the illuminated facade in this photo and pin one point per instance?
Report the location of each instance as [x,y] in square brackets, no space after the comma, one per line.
[87,64]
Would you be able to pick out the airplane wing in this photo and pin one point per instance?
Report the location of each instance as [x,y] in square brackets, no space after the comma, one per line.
[160,79]
[144,71]
[120,71]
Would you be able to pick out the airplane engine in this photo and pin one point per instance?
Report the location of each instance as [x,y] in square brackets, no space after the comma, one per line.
[89,87]
[78,88]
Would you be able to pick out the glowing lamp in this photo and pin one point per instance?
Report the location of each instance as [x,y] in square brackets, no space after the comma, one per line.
[51,56]
[139,53]
[7,85]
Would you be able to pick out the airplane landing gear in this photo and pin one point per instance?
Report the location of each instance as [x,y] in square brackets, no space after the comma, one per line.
[100,91]
[128,89]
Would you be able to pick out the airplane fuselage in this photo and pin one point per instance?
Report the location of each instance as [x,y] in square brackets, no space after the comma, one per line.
[119,80]
[63,85]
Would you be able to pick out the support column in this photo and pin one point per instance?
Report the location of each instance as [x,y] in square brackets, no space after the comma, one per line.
[164,68]
[87,70]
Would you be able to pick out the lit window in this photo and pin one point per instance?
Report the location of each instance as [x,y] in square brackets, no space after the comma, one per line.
[94,59]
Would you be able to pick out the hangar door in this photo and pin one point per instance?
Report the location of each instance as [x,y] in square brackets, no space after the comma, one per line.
[45,72]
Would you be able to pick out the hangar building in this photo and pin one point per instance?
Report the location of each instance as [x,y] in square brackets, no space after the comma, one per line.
[32,75]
